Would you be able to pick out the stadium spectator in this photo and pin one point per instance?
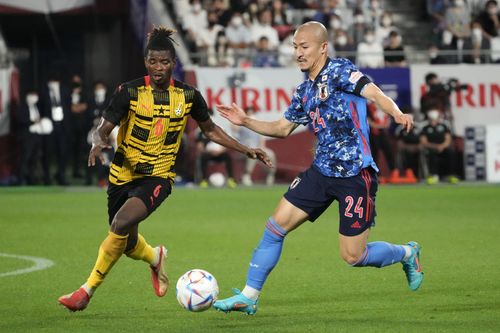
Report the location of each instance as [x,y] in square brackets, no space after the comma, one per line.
[385,27]
[194,21]
[206,38]
[98,101]
[79,125]
[489,19]
[209,151]
[408,153]
[327,9]
[252,139]
[373,13]
[264,57]
[344,46]
[342,170]
[28,125]
[437,9]
[477,46]
[280,20]
[457,19]
[222,54]
[436,142]
[237,33]
[395,45]
[370,53]
[56,106]
[263,28]
[142,173]
[358,28]
[222,10]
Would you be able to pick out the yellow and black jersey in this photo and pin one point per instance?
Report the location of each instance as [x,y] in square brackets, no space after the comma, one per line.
[151,126]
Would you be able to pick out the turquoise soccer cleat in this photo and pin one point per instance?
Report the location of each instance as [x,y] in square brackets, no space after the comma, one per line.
[236,303]
[412,267]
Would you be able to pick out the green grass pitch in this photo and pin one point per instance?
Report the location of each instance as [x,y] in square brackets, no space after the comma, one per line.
[311,289]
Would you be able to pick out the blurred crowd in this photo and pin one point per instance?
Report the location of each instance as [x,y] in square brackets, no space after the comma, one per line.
[464,31]
[259,33]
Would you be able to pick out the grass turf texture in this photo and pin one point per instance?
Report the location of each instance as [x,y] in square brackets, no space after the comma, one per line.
[311,289]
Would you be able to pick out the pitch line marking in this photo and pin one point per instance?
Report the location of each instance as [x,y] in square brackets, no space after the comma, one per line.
[38,264]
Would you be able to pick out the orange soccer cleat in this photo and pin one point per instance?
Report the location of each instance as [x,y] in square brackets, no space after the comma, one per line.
[158,275]
[76,301]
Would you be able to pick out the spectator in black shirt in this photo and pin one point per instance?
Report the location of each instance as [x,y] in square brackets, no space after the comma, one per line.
[436,141]
[394,60]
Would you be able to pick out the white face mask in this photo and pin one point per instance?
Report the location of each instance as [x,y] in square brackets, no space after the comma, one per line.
[459,3]
[100,95]
[335,24]
[359,19]
[342,40]
[32,99]
[386,21]
[369,38]
[237,21]
[433,114]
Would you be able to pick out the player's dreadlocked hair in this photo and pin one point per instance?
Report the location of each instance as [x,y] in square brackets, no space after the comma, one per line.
[160,39]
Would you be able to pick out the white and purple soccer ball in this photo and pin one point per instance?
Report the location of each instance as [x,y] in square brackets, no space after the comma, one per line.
[197,290]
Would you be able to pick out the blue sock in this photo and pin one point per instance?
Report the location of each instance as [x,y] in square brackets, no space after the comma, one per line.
[380,254]
[266,255]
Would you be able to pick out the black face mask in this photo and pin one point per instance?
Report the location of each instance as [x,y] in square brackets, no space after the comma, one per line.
[75,85]
[211,24]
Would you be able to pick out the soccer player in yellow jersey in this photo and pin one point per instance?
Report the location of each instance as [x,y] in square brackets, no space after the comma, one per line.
[151,113]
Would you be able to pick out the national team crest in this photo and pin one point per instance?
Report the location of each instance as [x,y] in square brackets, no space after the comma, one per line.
[178,110]
[323,91]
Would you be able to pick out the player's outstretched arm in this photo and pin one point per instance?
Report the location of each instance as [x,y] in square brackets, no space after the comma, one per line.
[218,135]
[386,104]
[100,140]
[278,129]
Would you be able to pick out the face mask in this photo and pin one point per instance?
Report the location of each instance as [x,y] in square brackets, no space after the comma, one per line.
[53,85]
[100,95]
[335,24]
[459,3]
[342,40]
[369,39]
[359,19]
[433,54]
[386,21]
[237,21]
[433,114]
[32,99]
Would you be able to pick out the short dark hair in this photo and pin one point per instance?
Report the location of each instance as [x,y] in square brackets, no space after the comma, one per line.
[160,39]
[429,77]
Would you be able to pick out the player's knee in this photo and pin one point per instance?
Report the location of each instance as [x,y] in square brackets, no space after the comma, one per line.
[121,224]
[351,258]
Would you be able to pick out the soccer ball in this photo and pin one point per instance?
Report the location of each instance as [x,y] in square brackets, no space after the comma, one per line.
[196,290]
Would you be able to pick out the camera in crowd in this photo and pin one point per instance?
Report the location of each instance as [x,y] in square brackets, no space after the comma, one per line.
[450,85]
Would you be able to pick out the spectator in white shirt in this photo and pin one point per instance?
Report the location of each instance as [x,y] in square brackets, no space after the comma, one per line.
[370,53]
[263,28]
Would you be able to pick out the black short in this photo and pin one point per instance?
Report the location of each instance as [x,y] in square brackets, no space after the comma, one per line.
[313,193]
[151,190]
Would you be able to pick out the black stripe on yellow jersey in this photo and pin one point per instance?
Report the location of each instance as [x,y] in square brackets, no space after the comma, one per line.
[151,126]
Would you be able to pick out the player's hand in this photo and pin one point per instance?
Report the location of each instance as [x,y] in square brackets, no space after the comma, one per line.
[406,120]
[233,113]
[259,154]
[96,151]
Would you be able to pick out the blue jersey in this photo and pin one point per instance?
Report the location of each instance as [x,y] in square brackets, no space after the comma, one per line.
[332,105]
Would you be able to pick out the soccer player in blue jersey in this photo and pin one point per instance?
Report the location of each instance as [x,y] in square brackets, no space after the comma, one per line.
[333,101]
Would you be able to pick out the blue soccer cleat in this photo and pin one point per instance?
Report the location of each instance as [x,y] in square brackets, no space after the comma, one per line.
[412,267]
[236,303]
